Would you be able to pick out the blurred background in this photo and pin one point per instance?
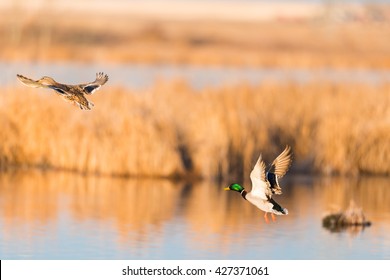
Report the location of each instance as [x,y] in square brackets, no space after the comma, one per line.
[197,90]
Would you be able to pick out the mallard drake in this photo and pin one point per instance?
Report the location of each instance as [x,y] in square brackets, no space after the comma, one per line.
[73,93]
[265,184]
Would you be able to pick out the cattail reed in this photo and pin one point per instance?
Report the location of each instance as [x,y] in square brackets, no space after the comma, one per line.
[173,130]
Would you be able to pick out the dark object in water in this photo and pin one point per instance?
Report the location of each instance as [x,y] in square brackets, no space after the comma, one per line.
[352,217]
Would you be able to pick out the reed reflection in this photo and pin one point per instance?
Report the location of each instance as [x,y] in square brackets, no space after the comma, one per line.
[132,205]
[141,212]
[372,194]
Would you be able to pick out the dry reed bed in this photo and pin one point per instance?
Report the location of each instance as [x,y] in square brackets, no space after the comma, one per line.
[172,130]
[47,35]
[114,138]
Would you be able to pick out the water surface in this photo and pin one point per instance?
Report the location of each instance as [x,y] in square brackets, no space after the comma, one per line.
[66,216]
[141,76]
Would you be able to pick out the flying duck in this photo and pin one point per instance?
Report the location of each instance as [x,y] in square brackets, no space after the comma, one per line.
[72,93]
[265,184]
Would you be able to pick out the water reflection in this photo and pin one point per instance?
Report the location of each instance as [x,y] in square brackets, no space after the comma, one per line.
[370,193]
[68,216]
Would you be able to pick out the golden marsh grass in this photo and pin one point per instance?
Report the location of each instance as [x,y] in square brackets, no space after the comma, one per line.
[48,35]
[173,130]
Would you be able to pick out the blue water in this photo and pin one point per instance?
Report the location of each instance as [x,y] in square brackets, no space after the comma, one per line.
[142,76]
[67,216]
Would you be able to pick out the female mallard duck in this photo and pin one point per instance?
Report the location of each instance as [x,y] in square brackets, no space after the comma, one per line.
[265,184]
[73,93]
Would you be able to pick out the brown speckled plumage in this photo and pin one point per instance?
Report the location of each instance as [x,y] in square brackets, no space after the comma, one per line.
[72,93]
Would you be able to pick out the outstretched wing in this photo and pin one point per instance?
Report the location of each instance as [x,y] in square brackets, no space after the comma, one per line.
[90,88]
[28,82]
[59,90]
[282,163]
[260,187]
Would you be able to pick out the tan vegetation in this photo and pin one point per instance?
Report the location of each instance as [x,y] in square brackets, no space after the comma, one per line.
[114,139]
[172,130]
[49,35]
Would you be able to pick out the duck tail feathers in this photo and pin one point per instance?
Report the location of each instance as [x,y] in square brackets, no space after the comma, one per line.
[277,209]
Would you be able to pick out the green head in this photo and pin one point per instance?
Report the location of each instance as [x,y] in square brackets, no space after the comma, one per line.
[234,187]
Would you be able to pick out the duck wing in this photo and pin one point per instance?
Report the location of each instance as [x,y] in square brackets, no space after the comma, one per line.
[260,187]
[277,170]
[29,82]
[100,80]
[61,89]
[282,163]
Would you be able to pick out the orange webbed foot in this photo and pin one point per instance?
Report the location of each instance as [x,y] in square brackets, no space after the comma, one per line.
[266,218]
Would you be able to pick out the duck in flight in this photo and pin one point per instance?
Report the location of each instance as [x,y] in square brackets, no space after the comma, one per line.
[72,93]
[265,184]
